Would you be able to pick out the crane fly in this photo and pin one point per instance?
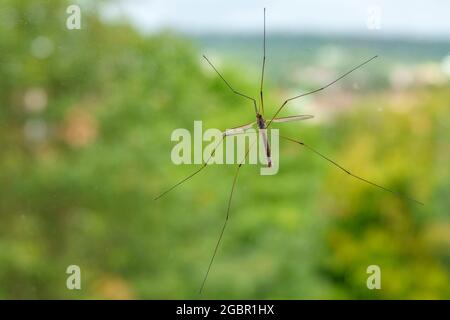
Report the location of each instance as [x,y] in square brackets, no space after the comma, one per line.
[262,126]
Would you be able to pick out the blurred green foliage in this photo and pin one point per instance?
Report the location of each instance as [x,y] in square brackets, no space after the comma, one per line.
[85,123]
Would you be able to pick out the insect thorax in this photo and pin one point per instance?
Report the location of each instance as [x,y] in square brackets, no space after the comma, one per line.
[261,122]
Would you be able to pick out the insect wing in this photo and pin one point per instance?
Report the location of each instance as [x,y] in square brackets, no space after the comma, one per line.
[293,118]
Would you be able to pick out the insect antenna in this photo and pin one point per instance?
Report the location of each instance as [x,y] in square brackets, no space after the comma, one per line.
[402,196]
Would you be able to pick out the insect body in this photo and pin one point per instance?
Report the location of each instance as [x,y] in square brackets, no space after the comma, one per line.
[262,130]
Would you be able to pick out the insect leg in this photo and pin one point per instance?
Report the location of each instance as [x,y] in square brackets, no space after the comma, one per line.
[263,65]
[320,89]
[234,131]
[229,86]
[226,218]
[351,174]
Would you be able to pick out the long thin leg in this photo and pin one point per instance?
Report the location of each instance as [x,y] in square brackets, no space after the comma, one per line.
[351,174]
[229,86]
[226,218]
[319,89]
[226,133]
[263,65]
[181,182]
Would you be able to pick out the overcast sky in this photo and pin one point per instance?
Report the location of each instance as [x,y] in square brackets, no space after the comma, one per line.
[411,17]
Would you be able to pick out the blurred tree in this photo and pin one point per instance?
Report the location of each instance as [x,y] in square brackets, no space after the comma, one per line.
[85,121]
